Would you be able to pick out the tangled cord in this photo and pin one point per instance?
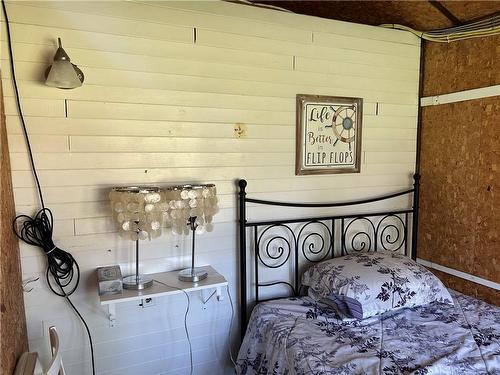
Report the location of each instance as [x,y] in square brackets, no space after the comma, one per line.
[62,268]
[37,231]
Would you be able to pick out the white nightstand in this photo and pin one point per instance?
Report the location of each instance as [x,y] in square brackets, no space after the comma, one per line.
[214,281]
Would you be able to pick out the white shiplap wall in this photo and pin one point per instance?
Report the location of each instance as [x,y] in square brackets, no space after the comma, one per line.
[166,85]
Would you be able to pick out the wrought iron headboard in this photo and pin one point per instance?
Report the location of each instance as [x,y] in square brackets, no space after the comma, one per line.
[377,222]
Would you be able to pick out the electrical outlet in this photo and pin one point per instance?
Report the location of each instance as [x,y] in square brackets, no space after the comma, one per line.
[147,302]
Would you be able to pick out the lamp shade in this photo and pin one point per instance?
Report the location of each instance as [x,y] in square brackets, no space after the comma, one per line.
[191,201]
[62,73]
[137,211]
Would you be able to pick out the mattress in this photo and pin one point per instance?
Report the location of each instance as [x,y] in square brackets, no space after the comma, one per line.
[301,336]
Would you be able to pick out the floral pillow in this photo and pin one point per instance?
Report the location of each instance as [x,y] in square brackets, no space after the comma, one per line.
[365,284]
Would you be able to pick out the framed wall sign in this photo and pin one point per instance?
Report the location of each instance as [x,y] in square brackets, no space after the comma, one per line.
[328,134]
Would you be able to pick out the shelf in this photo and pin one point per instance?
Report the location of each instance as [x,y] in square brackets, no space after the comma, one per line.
[214,281]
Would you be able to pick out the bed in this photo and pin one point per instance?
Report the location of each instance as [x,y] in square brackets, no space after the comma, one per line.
[289,332]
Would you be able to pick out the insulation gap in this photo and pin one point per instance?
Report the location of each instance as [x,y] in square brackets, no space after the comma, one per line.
[293,62]
[194,35]
[376,109]
[66,108]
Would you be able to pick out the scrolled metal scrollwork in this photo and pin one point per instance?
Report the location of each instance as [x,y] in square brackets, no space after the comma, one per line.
[361,241]
[310,244]
[269,284]
[281,253]
[392,240]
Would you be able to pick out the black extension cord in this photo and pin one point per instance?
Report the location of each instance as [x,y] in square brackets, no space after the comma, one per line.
[37,231]
[62,268]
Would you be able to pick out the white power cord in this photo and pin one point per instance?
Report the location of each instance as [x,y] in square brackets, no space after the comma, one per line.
[186,327]
[230,327]
[185,321]
[486,27]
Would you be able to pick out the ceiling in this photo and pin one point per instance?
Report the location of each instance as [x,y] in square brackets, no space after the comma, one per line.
[421,15]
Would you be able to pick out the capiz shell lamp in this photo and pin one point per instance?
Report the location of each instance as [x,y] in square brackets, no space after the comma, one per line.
[137,211]
[62,73]
[192,208]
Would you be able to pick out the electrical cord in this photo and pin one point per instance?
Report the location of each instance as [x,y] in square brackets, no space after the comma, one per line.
[16,90]
[62,268]
[231,326]
[186,327]
[230,323]
[37,231]
[185,320]
[486,27]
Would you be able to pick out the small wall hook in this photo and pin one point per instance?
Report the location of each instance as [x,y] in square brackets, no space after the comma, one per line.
[28,281]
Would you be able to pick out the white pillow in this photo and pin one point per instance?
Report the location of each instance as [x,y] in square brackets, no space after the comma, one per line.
[365,284]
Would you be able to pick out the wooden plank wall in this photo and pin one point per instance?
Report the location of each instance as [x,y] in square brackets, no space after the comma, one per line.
[13,335]
[168,88]
[460,201]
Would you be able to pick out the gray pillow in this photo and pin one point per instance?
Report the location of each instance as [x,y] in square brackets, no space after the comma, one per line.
[365,284]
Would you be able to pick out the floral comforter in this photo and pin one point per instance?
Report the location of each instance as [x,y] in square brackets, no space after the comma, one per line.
[301,336]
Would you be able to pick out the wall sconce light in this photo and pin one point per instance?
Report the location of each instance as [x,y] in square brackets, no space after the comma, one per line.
[62,73]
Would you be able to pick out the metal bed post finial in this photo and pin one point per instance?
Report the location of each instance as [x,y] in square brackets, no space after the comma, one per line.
[416,191]
[243,257]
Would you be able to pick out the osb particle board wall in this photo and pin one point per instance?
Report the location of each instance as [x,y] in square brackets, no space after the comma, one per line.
[463,65]
[460,162]
[12,322]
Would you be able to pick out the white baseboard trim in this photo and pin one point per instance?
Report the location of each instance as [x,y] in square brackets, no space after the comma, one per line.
[460,96]
[462,275]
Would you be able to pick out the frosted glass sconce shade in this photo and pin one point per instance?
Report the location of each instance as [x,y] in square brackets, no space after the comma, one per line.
[62,73]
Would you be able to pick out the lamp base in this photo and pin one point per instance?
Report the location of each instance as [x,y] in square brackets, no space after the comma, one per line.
[193,275]
[137,283]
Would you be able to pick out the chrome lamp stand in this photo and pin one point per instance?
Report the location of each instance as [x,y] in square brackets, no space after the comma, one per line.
[193,274]
[137,281]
